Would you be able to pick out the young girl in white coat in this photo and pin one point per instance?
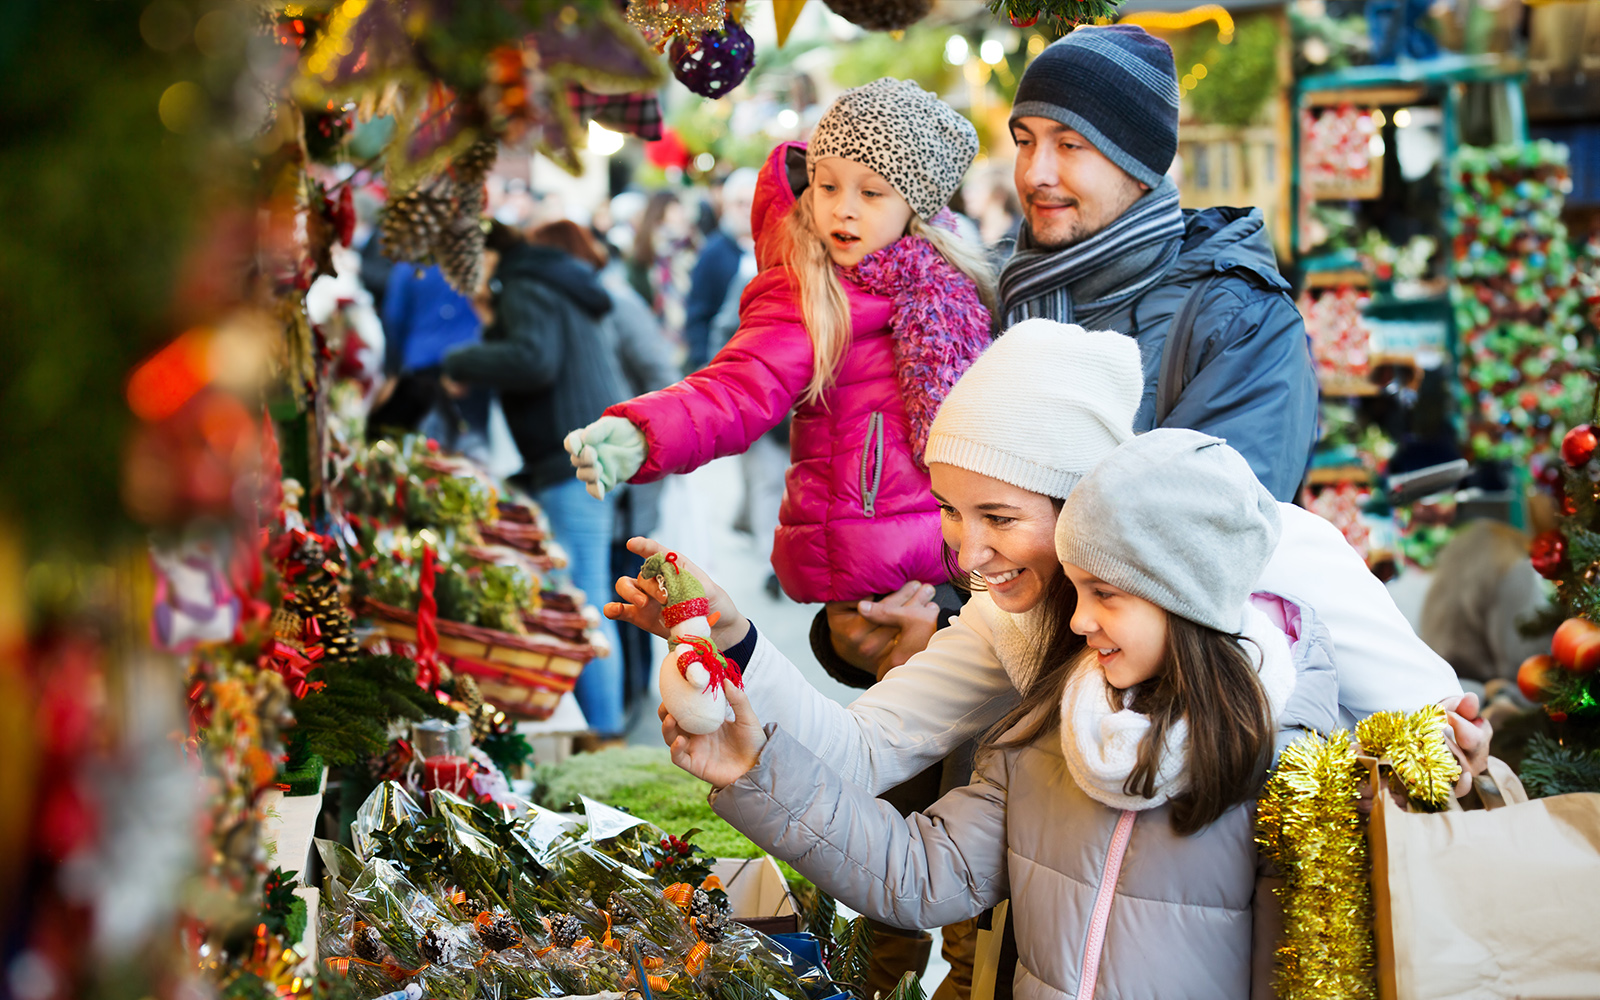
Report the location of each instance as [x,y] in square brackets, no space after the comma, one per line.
[1114,804]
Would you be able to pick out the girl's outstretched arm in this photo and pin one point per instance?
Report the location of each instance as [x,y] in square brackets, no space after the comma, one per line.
[922,870]
[743,393]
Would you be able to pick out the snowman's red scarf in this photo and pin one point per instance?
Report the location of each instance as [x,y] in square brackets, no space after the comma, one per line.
[705,652]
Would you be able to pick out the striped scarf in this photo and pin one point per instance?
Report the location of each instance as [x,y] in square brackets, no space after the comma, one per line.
[1085,283]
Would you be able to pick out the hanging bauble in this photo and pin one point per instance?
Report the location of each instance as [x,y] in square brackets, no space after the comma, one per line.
[1549,554]
[881,15]
[719,61]
[1024,22]
[1579,445]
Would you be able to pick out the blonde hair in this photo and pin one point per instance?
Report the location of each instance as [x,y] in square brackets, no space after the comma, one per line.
[824,307]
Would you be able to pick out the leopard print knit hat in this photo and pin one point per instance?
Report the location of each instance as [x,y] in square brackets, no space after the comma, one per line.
[892,127]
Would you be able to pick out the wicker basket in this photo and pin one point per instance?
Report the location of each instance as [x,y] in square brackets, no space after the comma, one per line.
[524,675]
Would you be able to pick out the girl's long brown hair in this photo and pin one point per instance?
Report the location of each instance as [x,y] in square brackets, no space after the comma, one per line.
[1206,677]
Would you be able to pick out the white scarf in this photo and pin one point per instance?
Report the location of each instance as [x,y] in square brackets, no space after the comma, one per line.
[1101,742]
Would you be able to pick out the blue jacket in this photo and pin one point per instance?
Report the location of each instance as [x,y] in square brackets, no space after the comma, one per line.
[1249,375]
[422,318]
[708,288]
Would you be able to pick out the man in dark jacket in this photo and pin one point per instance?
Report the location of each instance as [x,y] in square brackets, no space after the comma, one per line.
[1106,246]
[552,352]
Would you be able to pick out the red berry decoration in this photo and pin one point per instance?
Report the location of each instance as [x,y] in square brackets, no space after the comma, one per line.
[1579,445]
[1549,554]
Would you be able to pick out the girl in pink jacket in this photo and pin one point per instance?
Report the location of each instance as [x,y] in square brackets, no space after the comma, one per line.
[867,308]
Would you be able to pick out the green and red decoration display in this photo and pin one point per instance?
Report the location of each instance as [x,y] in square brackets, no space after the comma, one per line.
[1518,306]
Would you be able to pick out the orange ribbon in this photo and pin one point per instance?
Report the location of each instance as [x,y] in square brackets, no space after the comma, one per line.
[680,894]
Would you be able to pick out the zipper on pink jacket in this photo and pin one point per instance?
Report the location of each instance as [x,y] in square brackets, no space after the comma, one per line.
[1095,943]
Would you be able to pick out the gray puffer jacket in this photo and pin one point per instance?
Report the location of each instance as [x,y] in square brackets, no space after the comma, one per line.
[1179,920]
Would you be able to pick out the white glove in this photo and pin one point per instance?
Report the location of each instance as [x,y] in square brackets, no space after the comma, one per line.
[607,452]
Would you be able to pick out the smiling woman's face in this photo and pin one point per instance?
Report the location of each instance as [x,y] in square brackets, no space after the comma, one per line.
[1002,532]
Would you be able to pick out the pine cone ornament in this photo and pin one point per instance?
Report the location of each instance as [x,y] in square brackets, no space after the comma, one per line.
[881,15]
[565,930]
[366,944]
[437,946]
[500,933]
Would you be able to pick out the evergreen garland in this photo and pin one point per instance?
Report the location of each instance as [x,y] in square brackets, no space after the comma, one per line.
[348,719]
[1550,768]
[1062,15]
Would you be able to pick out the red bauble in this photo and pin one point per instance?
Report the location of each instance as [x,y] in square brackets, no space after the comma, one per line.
[1576,645]
[1579,445]
[1024,22]
[1535,677]
[1549,554]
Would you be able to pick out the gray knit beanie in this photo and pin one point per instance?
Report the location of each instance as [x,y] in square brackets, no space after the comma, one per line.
[1116,86]
[1041,406]
[1175,517]
[896,129]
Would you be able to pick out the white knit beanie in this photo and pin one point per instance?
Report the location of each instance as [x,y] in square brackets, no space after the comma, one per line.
[1041,407]
[1175,517]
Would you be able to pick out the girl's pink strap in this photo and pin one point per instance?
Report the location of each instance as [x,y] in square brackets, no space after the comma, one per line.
[1102,904]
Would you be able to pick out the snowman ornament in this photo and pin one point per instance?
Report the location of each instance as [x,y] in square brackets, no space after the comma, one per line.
[693,672]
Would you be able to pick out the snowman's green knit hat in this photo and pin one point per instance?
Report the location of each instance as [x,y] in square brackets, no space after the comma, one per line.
[686,598]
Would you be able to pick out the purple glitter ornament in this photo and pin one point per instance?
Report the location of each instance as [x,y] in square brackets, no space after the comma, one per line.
[718,64]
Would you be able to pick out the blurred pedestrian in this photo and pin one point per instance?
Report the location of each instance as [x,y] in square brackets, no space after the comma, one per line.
[552,354]
[718,263]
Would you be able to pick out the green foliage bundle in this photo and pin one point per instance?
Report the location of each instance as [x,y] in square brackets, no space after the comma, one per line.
[1549,768]
[1062,15]
[348,719]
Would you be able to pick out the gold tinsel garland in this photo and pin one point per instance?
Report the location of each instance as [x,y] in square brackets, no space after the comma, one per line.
[1419,758]
[1309,823]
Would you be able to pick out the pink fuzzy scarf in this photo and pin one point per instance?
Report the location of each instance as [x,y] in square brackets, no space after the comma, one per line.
[939,322]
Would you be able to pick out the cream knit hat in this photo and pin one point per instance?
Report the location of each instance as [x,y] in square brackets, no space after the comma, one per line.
[1041,407]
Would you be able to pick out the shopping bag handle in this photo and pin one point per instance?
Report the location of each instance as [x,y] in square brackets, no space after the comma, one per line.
[1499,785]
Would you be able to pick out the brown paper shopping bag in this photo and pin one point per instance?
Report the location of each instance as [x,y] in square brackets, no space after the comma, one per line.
[1498,902]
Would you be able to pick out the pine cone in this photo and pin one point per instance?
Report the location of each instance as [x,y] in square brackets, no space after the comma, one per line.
[565,930]
[366,944]
[471,169]
[621,912]
[713,927]
[437,946]
[500,933]
[468,694]
[702,906]
[460,251]
[412,223]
